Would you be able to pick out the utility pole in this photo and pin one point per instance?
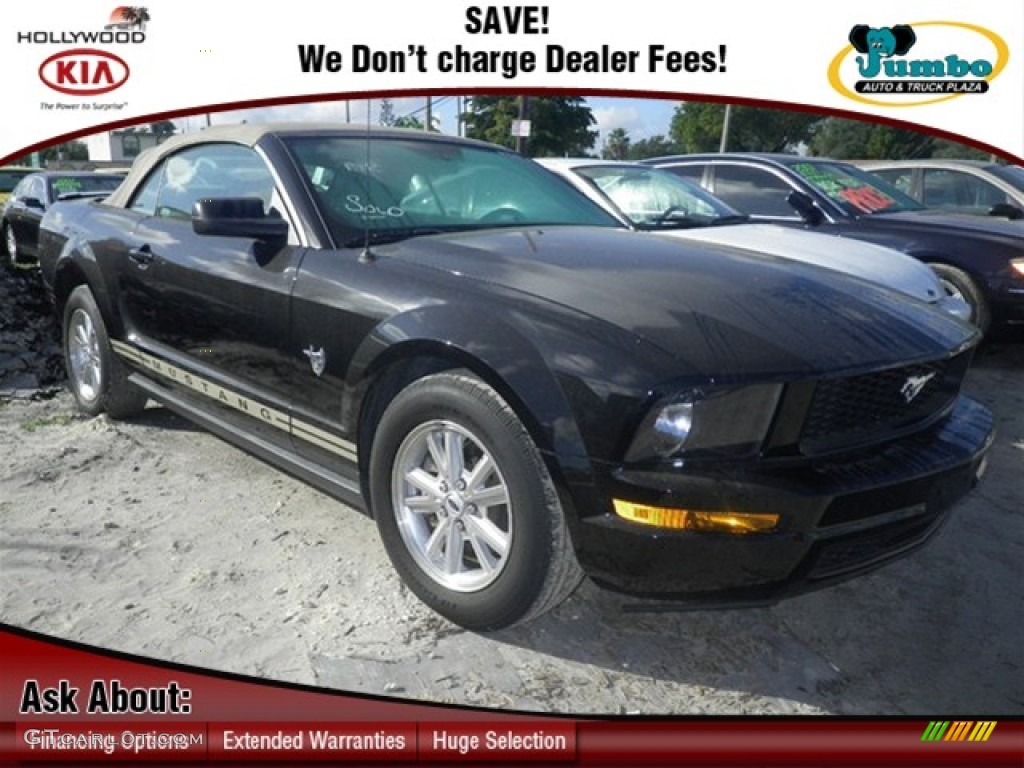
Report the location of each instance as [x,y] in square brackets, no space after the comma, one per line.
[430,114]
[522,135]
[725,128]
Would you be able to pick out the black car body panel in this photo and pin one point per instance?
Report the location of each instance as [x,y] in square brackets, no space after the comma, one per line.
[292,349]
[34,194]
[985,248]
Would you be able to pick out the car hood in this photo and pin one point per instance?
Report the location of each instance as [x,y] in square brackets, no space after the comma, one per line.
[960,223]
[871,262]
[721,311]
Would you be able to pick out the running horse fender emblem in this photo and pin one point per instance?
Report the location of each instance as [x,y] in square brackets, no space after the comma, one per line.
[912,386]
[317,359]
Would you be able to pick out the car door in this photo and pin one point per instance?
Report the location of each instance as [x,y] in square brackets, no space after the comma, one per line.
[755,191]
[212,312]
[960,192]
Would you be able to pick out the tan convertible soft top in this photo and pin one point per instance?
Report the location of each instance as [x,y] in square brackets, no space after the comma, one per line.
[249,134]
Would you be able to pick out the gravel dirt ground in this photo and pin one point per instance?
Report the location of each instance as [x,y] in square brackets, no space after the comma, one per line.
[153,537]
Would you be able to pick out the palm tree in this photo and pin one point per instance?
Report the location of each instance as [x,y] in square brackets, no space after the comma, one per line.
[136,16]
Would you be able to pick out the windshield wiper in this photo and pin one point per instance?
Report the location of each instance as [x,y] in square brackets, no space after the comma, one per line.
[677,217]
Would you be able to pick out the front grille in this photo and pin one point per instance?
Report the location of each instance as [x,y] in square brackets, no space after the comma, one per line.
[857,410]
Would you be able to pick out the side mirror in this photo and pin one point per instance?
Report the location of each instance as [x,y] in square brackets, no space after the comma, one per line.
[33,202]
[806,207]
[1007,210]
[237,217]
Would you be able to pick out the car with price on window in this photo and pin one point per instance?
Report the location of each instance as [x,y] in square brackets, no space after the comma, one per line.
[519,392]
[961,186]
[980,260]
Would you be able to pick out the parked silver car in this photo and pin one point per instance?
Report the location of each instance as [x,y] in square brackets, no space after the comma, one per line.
[649,199]
[961,186]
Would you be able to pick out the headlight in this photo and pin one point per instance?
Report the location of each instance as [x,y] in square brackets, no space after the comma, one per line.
[1018,266]
[733,422]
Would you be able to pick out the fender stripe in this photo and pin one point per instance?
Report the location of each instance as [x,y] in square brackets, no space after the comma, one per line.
[229,397]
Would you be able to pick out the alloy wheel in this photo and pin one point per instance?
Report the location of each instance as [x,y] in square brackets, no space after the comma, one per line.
[452,506]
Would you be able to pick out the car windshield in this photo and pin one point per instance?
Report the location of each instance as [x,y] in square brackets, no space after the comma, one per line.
[61,186]
[855,191]
[653,199]
[1014,174]
[385,189]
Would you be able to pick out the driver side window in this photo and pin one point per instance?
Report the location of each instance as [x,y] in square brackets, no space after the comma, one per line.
[209,171]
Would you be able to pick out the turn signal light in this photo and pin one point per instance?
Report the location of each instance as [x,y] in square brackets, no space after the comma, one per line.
[690,520]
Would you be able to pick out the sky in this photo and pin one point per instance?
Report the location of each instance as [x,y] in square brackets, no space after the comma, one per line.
[641,118]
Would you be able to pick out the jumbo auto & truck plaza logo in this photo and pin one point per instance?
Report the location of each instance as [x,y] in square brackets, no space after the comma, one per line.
[920,63]
[89,71]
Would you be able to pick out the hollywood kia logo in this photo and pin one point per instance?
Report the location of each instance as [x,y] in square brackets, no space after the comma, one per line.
[926,62]
[89,71]
[84,72]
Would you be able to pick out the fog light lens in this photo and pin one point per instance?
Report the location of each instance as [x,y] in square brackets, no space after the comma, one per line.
[1018,266]
[691,520]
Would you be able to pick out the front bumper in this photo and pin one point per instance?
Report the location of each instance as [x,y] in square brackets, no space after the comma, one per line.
[839,518]
[1008,302]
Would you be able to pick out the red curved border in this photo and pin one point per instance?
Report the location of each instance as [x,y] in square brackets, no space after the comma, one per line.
[81,52]
[602,92]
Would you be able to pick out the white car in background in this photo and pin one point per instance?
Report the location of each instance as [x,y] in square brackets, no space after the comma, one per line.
[648,199]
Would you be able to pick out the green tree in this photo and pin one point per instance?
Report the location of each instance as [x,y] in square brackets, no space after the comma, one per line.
[560,125]
[412,121]
[58,153]
[947,148]
[856,139]
[616,145]
[163,128]
[655,146]
[408,121]
[697,127]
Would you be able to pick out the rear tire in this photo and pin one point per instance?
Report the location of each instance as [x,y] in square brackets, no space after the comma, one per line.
[961,285]
[97,378]
[465,506]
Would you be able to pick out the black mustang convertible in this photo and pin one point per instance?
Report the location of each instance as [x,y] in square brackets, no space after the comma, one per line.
[453,339]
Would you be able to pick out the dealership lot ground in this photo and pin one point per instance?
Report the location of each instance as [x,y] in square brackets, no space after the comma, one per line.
[153,537]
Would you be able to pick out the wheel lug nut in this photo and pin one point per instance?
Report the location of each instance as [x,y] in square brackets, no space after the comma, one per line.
[460,486]
[444,487]
[471,509]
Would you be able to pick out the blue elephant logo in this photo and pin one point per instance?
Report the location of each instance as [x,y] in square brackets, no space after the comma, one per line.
[880,43]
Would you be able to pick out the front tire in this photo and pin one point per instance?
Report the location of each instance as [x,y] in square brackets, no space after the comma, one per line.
[97,378]
[962,286]
[465,506]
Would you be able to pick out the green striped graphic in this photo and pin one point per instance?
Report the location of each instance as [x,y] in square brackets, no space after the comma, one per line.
[935,730]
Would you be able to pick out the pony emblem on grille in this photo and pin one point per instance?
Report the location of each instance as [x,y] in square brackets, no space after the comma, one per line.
[913,385]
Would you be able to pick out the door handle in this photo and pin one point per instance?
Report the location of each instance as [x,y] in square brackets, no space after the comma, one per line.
[142,256]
